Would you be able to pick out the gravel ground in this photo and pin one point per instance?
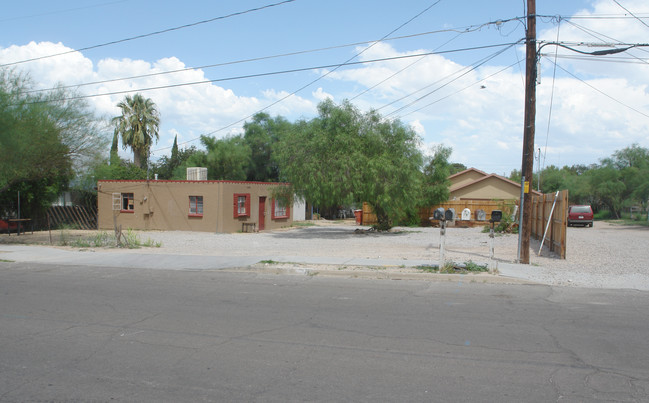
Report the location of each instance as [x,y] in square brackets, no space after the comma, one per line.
[605,256]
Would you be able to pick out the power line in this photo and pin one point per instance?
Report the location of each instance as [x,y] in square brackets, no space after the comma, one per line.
[459,30]
[619,59]
[459,90]
[597,35]
[547,133]
[633,15]
[319,78]
[401,70]
[348,63]
[193,24]
[601,92]
[468,70]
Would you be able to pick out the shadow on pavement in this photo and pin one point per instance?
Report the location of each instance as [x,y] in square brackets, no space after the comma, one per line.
[331,233]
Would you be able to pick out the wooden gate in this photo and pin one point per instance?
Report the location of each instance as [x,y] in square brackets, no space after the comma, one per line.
[543,213]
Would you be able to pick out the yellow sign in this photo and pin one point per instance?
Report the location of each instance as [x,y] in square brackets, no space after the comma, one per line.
[527,186]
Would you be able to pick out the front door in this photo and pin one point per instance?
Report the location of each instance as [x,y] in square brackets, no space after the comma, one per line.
[262,213]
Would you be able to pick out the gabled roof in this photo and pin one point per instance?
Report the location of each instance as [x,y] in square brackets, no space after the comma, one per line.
[485,177]
[467,171]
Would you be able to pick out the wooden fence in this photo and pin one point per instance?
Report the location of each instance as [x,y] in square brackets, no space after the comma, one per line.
[73,216]
[369,218]
[555,238]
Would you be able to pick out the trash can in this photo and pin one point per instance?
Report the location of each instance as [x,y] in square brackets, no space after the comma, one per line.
[359,216]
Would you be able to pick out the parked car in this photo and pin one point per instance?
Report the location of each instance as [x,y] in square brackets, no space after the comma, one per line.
[580,215]
[6,226]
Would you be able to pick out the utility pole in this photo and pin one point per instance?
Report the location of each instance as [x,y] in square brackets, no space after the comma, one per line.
[527,170]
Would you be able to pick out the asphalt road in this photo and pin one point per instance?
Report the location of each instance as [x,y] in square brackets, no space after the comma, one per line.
[79,333]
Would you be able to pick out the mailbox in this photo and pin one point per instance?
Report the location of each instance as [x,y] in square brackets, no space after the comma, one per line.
[496,216]
[449,215]
[438,214]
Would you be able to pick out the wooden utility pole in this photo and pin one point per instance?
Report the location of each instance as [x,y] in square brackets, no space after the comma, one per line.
[527,170]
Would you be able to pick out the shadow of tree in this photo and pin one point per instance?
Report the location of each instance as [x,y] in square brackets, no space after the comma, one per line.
[331,233]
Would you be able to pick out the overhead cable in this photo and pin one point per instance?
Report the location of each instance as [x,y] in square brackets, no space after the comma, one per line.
[602,92]
[319,78]
[467,69]
[132,38]
[459,30]
[458,91]
[633,15]
[322,67]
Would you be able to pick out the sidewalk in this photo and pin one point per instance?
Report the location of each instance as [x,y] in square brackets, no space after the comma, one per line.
[143,260]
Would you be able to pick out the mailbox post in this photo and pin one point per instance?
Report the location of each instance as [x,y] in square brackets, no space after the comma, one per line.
[496,216]
[441,215]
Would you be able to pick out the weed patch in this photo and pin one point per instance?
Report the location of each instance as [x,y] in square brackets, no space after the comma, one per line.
[455,268]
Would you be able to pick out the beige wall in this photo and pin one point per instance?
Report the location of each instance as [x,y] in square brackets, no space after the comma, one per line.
[466,177]
[164,205]
[489,189]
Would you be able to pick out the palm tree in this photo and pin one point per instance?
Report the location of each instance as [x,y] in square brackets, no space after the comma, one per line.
[137,125]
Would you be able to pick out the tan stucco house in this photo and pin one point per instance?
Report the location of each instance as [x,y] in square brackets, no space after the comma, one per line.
[203,205]
[477,185]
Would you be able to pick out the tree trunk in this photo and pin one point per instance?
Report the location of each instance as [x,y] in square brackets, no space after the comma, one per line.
[137,158]
[383,221]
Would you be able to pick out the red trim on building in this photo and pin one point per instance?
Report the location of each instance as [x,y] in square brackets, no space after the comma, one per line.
[272,211]
[236,213]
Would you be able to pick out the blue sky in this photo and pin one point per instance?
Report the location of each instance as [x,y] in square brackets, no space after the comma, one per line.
[471,100]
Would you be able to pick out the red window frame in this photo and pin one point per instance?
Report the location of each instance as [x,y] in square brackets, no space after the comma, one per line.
[198,207]
[246,205]
[274,206]
[127,203]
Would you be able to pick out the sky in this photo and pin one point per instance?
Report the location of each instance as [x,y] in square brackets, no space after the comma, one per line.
[451,70]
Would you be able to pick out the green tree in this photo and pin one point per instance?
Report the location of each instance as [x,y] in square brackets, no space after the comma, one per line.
[344,156]
[43,140]
[114,154]
[607,187]
[261,135]
[175,159]
[227,158]
[138,125]
[457,167]
[166,168]
[436,173]
[122,170]
[632,164]
[553,179]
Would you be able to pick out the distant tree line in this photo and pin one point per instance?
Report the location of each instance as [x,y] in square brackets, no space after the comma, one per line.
[343,156]
[615,184]
[340,158]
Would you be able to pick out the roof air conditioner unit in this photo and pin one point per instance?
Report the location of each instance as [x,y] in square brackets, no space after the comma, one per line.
[196,174]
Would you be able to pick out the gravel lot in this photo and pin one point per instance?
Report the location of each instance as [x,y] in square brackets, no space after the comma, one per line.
[605,256]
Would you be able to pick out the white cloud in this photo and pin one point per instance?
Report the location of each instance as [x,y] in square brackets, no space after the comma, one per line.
[418,128]
[599,30]
[479,115]
[187,111]
[321,95]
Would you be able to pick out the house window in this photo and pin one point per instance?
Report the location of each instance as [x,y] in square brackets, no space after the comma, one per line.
[241,205]
[128,205]
[280,209]
[195,206]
